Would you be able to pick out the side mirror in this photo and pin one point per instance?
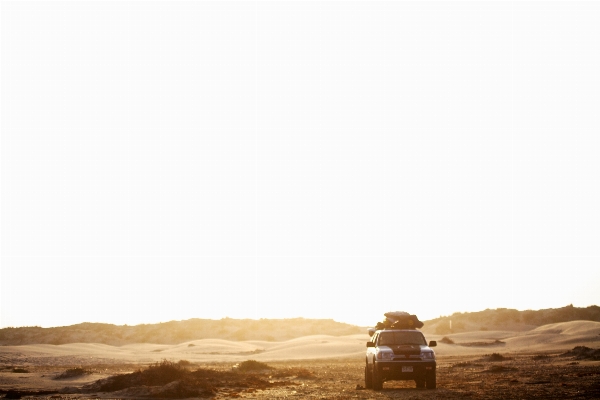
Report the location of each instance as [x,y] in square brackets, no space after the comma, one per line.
[433,343]
[370,344]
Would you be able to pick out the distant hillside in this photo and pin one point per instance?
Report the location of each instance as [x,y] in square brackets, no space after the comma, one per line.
[175,332]
[508,319]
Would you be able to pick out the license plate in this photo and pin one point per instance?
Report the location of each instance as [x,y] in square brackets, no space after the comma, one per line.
[407,369]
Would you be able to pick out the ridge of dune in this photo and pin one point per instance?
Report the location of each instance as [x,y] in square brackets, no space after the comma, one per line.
[562,335]
[571,328]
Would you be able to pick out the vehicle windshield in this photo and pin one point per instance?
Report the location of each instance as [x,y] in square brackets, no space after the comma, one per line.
[404,337]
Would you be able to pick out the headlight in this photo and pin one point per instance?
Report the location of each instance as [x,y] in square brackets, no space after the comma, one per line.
[385,355]
[427,356]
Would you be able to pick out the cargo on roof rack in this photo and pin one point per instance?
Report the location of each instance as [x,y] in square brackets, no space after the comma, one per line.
[397,320]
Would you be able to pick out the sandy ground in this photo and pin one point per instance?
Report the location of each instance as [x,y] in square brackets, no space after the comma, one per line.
[534,366]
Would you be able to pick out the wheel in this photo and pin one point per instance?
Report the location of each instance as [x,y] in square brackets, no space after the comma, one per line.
[368,378]
[377,379]
[430,379]
[420,383]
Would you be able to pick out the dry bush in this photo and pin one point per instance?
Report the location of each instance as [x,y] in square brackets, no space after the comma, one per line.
[253,366]
[170,380]
[495,357]
[447,340]
[157,374]
[184,363]
[298,372]
[583,353]
[466,364]
[73,373]
[538,357]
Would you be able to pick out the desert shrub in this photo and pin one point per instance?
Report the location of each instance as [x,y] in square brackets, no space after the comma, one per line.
[466,364]
[301,373]
[447,340]
[500,368]
[20,371]
[582,353]
[191,345]
[163,373]
[73,373]
[253,365]
[158,374]
[184,363]
[496,357]
[540,357]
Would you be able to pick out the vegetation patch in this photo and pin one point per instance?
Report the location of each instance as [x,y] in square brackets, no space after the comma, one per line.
[20,371]
[509,319]
[169,379]
[253,366]
[17,394]
[483,344]
[583,353]
[73,373]
[298,372]
[541,357]
[466,364]
[494,357]
[447,340]
[184,363]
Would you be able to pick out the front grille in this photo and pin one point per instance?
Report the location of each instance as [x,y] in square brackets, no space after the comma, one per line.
[403,357]
[407,350]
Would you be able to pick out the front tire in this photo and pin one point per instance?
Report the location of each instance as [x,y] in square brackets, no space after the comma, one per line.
[368,378]
[420,383]
[430,380]
[377,379]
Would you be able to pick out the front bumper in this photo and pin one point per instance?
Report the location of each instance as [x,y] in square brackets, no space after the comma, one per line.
[392,370]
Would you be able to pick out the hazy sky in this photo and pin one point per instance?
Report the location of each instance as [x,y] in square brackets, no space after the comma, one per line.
[166,161]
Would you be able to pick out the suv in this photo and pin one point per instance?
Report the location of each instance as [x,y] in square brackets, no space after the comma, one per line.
[400,354]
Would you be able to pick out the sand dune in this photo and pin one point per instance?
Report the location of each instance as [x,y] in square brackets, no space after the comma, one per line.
[561,335]
[589,328]
[554,337]
[205,350]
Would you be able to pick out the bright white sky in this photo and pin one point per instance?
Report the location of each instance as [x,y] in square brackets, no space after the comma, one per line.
[166,161]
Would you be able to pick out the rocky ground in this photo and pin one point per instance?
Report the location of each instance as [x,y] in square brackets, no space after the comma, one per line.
[565,375]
